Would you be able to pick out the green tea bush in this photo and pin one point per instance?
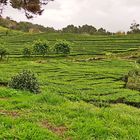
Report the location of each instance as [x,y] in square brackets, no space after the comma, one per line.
[25,80]
[26,52]
[132,79]
[40,47]
[62,47]
[3,52]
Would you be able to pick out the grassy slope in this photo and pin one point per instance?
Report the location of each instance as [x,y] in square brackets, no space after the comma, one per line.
[63,110]
[4,30]
[72,93]
[50,116]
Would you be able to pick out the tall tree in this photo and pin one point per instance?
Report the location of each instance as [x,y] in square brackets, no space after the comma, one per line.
[31,7]
[135,27]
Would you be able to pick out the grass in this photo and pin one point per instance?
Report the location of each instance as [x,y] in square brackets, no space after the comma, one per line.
[28,116]
[80,99]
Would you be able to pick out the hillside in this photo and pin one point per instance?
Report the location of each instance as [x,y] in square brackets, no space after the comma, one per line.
[83,95]
[8,32]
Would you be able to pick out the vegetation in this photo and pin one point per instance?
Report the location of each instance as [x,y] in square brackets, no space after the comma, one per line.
[24,26]
[133,79]
[134,28]
[85,29]
[27,52]
[35,28]
[62,47]
[82,96]
[25,80]
[40,47]
[3,52]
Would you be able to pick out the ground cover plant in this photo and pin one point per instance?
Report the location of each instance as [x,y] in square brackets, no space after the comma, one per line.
[83,96]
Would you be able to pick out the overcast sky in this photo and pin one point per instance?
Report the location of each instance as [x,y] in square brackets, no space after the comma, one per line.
[113,15]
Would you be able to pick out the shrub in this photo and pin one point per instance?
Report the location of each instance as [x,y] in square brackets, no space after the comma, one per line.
[40,47]
[25,80]
[27,52]
[62,47]
[132,79]
[3,52]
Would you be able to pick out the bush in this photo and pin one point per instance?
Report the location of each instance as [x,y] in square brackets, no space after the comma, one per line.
[27,52]
[40,47]
[62,47]
[132,79]
[25,80]
[3,52]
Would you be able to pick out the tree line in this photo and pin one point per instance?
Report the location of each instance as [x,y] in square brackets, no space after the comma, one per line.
[84,29]
[30,27]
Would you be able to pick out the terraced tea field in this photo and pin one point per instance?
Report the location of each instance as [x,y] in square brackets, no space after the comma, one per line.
[80,99]
[82,44]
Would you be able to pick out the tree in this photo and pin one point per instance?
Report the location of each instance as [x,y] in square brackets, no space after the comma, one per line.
[62,47]
[88,29]
[134,28]
[31,7]
[3,52]
[101,31]
[40,47]
[70,29]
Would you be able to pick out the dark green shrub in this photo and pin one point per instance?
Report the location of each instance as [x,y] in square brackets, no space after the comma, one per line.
[62,47]
[132,79]
[40,47]
[25,80]
[27,52]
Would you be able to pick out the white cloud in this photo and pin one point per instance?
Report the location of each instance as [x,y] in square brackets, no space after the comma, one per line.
[113,15]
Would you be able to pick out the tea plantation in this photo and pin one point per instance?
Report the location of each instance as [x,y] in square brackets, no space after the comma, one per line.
[83,95]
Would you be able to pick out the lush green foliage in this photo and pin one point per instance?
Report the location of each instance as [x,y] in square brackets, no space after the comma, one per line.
[70,91]
[83,96]
[3,52]
[25,80]
[27,52]
[40,47]
[82,44]
[62,47]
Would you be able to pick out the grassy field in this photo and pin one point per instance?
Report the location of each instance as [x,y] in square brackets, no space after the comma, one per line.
[81,98]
